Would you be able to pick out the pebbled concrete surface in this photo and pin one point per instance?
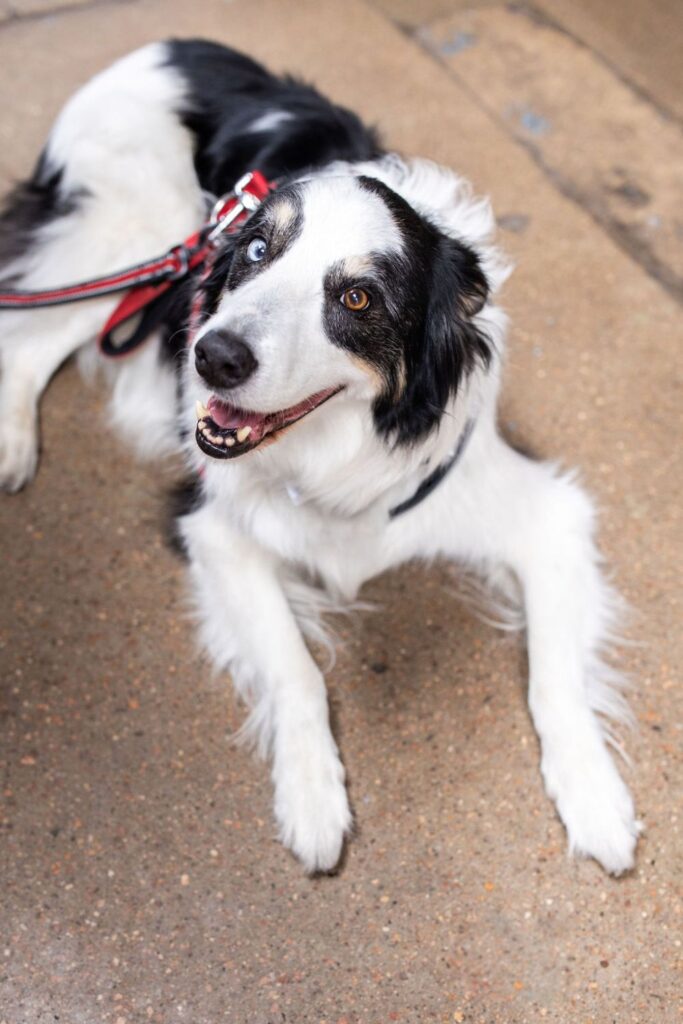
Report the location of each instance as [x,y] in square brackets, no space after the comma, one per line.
[141,877]
[587,131]
[641,42]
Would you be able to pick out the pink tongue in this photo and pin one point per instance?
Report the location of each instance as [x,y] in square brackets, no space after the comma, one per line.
[227,416]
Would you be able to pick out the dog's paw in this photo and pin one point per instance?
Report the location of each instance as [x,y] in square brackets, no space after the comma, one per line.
[311,805]
[18,455]
[596,808]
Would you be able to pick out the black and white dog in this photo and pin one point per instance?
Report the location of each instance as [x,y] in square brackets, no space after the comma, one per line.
[344,377]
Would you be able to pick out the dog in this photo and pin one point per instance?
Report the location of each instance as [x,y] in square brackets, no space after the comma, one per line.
[335,405]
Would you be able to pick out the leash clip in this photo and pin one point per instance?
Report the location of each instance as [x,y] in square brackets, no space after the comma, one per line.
[231,206]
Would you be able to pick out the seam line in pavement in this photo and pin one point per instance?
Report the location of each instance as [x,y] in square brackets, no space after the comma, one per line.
[19,18]
[634,247]
[546,20]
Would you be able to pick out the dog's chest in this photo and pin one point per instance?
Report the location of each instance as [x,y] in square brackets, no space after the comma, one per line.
[342,550]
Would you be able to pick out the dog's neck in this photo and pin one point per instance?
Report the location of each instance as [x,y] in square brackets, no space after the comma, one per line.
[336,464]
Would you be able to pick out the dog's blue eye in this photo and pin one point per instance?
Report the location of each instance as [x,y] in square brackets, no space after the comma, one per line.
[256,250]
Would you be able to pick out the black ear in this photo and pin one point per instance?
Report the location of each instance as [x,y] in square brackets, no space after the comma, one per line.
[446,345]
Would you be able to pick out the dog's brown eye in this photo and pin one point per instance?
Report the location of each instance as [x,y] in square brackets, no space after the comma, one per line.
[355,299]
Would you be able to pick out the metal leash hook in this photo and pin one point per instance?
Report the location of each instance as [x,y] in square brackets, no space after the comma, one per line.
[247,202]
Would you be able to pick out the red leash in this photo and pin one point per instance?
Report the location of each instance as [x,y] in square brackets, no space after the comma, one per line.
[146,283]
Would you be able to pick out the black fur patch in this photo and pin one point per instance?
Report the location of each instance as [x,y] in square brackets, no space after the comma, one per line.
[173,330]
[183,499]
[229,93]
[376,335]
[418,331]
[31,205]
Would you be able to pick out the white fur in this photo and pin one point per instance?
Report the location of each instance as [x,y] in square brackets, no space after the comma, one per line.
[120,140]
[253,550]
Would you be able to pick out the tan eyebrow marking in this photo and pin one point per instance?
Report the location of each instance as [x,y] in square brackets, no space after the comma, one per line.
[354,266]
[283,214]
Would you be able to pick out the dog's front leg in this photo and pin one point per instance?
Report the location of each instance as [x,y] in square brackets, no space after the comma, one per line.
[247,625]
[524,514]
[33,345]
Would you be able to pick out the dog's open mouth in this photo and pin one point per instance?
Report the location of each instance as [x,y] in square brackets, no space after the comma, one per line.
[225,431]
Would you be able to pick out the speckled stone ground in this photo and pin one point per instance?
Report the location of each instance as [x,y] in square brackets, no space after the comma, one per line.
[141,877]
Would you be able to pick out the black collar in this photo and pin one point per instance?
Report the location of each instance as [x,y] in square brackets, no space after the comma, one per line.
[436,476]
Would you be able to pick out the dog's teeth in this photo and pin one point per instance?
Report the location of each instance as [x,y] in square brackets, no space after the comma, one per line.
[243,433]
[229,441]
[205,431]
[201,410]
[214,438]
[202,424]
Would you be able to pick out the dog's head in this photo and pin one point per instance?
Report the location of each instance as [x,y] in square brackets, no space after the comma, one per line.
[336,287]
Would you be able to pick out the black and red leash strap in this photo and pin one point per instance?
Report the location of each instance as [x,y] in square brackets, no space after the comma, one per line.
[146,283]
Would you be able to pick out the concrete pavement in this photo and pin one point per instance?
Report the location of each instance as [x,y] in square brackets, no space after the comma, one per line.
[141,877]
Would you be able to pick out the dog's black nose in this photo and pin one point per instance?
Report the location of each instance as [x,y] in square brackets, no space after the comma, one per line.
[223,359]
